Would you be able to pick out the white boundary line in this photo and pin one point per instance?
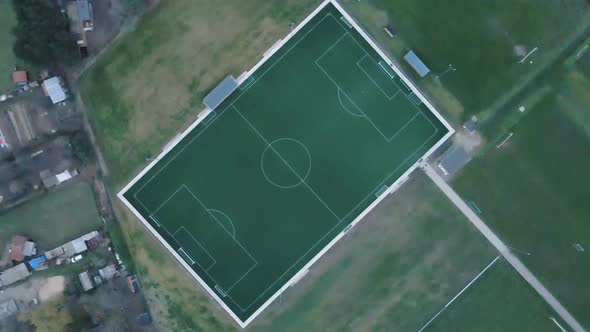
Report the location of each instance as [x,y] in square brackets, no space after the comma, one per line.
[457,295]
[207,111]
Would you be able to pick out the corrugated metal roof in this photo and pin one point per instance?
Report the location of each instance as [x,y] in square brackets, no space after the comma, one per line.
[221,91]
[85,281]
[416,63]
[14,274]
[54,90]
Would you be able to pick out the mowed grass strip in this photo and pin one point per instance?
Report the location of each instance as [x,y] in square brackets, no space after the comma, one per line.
[392,272]
[55,218]
[150,85]
[500,300]
[7,57]
[478,38]
[534,192]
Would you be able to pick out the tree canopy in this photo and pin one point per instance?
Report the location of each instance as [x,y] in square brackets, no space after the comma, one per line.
[42,34]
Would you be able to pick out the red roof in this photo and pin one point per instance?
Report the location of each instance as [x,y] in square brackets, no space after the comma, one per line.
[16,248]
[19,76]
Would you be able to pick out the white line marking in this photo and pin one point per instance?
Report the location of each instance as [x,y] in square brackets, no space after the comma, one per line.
[321,201]
[557,323]
[458,294]
[372,80]
[199,244]
[233,229]
[346,108]
[203,115]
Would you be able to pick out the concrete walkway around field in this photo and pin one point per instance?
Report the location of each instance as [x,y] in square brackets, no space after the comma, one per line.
[502,248]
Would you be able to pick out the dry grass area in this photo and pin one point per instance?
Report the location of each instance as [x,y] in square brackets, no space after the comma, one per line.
[149,86]
[50,316]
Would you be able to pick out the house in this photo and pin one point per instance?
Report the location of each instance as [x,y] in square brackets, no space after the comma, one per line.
[53,88]
[20,78]
[17,247]
[71,248]
[51,180]
[30,249]
[85,281]
[108,272]
[14,274]
[21,247]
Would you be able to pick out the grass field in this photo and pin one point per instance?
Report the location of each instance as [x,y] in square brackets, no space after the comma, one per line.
[478,39]
[263,160]
[500,301]
[150,84]
[400,267]
[534,190]
[54,218]
[7,58]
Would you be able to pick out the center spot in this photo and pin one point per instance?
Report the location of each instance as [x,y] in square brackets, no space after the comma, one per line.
[286,163]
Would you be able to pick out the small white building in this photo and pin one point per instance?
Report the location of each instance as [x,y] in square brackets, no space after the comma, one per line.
[86,281]
[54,90]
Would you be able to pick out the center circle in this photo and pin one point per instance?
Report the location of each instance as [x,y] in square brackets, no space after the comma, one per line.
[286,163]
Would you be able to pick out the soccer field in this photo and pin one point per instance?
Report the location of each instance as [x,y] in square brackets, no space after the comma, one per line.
[255,191]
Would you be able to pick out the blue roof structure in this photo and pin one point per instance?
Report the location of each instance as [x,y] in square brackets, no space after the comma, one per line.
[417,64]
[84,10]
[221,91]
[35,263]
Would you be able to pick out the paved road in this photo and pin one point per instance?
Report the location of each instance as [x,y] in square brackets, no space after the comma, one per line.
[503,249]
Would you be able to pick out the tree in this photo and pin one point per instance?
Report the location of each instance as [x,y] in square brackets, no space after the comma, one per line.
[81,146]
[42,34]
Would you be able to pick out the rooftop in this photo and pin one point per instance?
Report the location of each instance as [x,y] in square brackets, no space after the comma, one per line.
[419,66]
[53,89]
[17,248]
[454,159]
[20,77]
[14,274]
[221,91]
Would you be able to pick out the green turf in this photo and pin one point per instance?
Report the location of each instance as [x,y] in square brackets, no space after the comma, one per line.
[7,57]
[534,192]
[251,196]
[53,219]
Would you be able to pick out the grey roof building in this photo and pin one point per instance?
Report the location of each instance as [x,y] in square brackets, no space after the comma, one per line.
[14,274]
[453,160]
[85,281]
[419,66]
[221,92]
[470,126]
